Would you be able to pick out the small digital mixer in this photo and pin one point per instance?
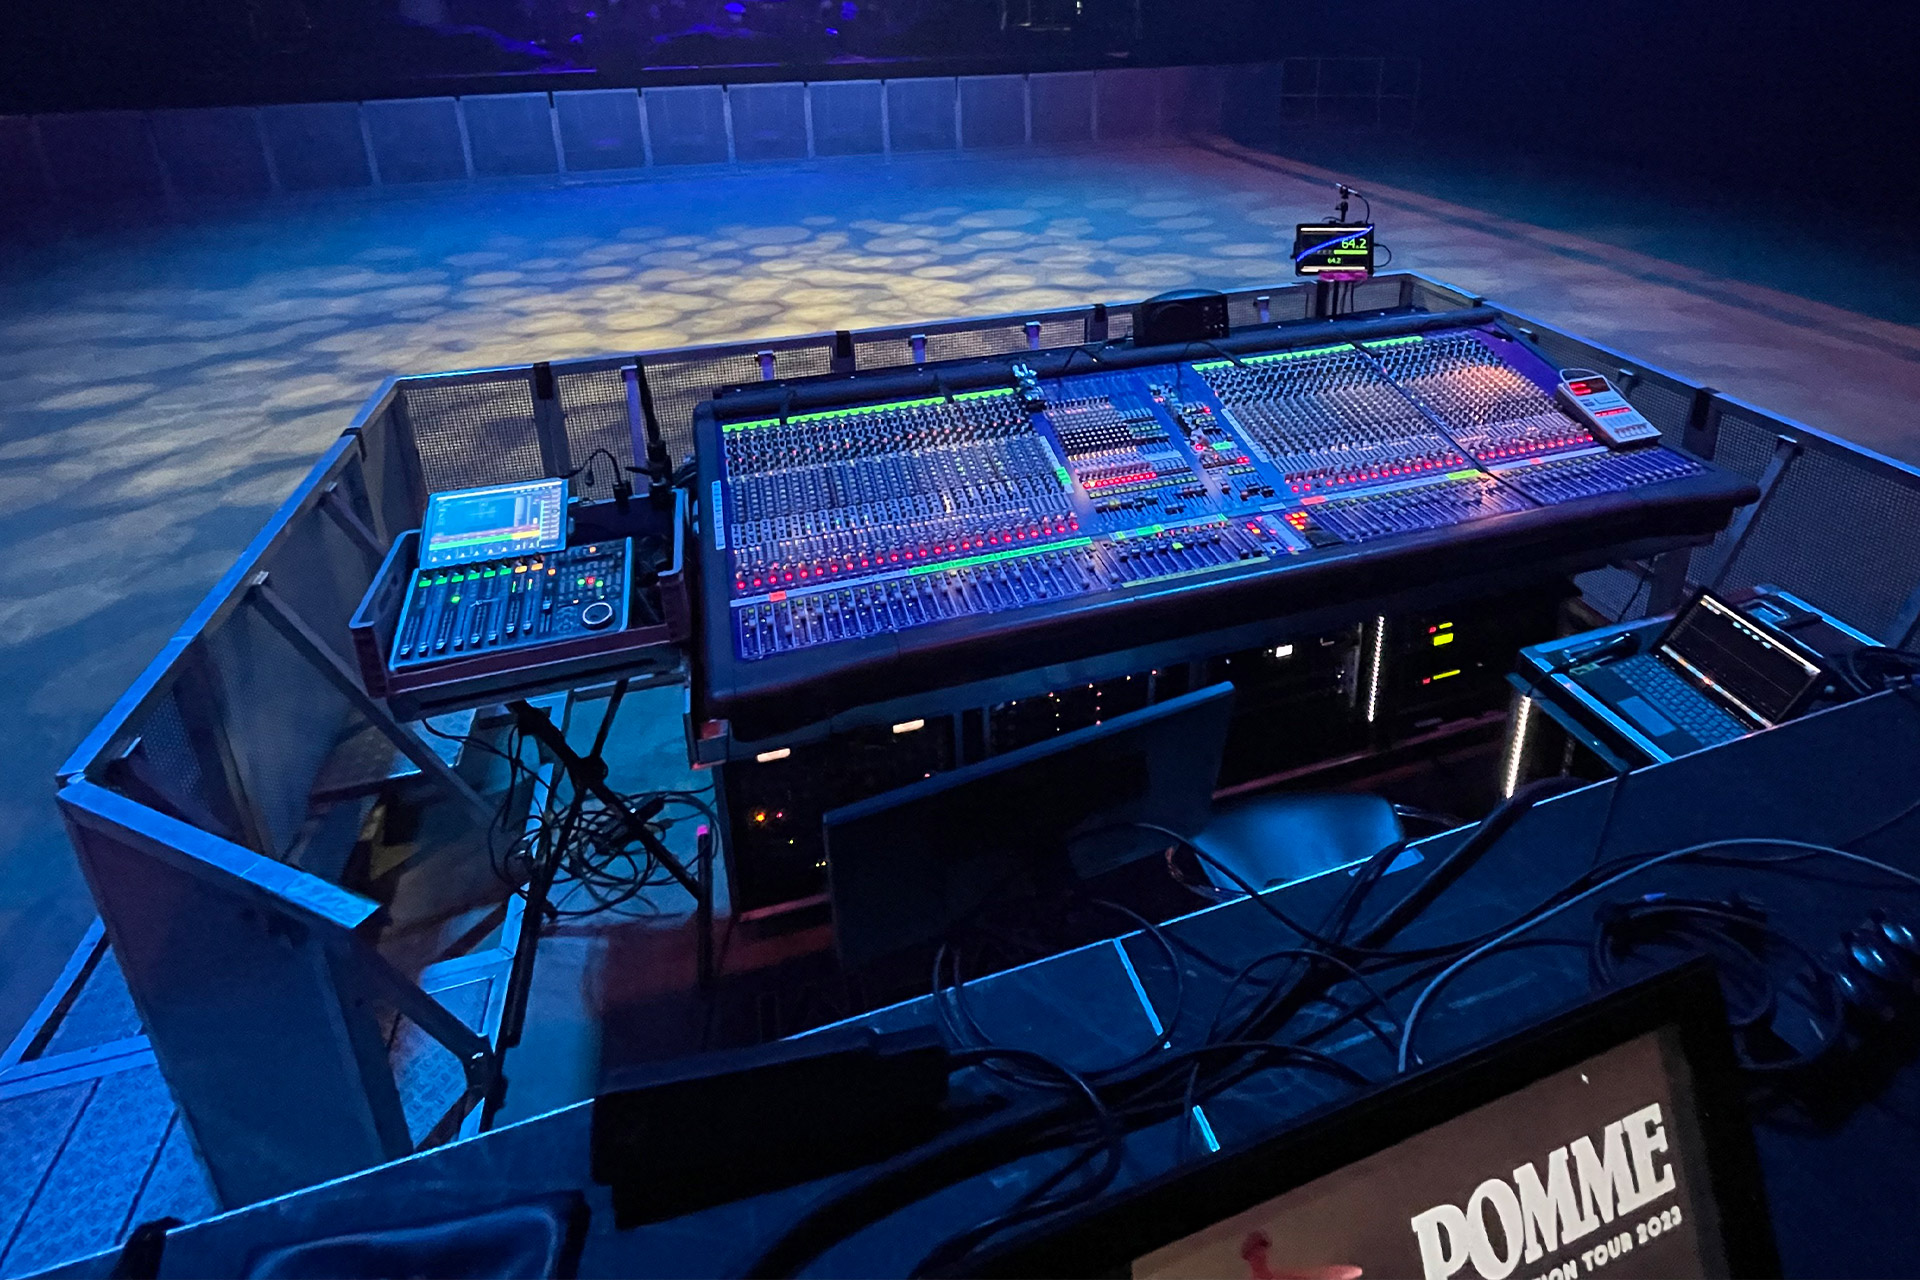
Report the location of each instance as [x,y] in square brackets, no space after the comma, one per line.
[860,548]
[494,605]
[496,574]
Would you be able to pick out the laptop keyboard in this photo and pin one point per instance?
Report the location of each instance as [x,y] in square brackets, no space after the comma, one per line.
[1679,701]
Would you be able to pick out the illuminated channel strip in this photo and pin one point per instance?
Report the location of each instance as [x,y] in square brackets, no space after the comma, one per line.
[1114,541]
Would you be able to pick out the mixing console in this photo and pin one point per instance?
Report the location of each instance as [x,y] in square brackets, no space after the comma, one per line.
[1590,475]
[837,537]
[1326,419]
[850,493]
[1457,499]
[1489,407]
[497,605]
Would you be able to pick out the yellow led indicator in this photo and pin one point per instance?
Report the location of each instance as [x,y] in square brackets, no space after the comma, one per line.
[1447,674]
[1445,637]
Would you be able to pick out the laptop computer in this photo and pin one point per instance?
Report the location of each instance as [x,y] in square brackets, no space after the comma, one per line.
[1714,675]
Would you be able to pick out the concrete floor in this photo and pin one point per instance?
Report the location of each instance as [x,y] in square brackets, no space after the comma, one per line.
[162,389]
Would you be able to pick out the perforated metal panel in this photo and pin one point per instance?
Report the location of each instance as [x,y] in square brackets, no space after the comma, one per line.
[846,118]
[1743,445]
[595,406]
[26,192]
[1838,534]
[1433,297]
[267,685]
[1127,107]
[101,155]
[510,133]
[1062,106]
[920,114]
[168,762]
[993,111]
[600,129]
[1617,593]
[317,145]
[769,121]
[212,153]
[1375,295]
[887,353]
[687,124]
[416,139]
[680,385]
[1664,406]
[474,432]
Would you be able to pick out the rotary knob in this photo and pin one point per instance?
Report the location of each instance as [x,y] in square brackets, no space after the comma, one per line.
[596,615]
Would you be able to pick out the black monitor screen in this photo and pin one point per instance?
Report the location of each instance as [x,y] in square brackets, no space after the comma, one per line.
[1761,673]
[1595,1168]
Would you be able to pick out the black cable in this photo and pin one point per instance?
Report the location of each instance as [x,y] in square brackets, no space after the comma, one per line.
[1138,1092]
[1646,579]
[1162,1039]
[1685,919]
[912,1175]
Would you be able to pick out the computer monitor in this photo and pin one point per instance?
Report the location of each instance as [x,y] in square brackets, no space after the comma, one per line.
[501,520]
[905,867]
[1609,1141]
[1757,669]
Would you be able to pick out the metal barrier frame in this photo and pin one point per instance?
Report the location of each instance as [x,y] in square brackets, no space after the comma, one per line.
[179,820]
[182,158]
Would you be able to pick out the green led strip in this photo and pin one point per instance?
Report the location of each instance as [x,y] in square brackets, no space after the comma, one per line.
[1471,473]
[991,556]
[982,395]
[866,408]
[1305,354]
[830,414]
[1148,530]
[1392,342]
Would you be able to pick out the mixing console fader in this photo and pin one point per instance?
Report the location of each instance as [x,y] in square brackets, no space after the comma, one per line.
[496,605]
[863,548]
[1327,420]
[852,493]
[1492,409]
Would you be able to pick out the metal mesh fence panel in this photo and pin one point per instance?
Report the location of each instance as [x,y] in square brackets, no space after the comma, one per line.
[472,432]
[595,406]
[1839,534]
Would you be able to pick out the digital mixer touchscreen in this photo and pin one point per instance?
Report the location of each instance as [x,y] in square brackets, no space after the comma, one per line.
[470,525]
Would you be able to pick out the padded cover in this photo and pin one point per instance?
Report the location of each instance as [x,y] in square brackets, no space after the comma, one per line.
[1272,840]
[540,1238]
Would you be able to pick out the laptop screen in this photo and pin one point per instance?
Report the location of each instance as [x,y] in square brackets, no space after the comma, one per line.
[1759,672]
